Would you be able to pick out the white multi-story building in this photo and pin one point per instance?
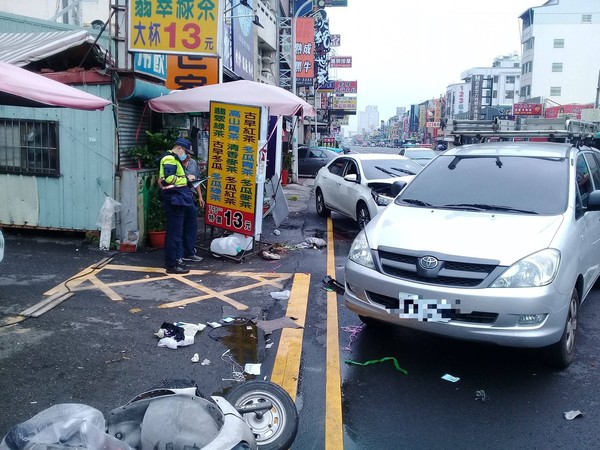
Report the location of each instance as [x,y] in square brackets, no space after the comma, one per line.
[560,59]
[368,120]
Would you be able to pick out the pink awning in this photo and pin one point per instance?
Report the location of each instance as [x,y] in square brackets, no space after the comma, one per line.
[20,87]
[279,101]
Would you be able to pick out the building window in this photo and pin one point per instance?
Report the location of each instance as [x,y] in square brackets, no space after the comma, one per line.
[557,67]
[510,79]
[509,94]
[525,91]
[527,66]
[528,44]
[494,94]
[555,91]
[495,79]
[559,43]
[586,18]
[29,147]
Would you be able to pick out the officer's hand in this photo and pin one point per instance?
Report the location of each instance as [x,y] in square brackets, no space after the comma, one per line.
[191,177]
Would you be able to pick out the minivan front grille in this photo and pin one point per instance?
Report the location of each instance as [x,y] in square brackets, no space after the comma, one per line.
[450,272]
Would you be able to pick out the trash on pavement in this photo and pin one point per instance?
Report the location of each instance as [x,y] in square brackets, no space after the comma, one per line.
[570,415]
[268,326]
[333,284]
[281,295]
[231,245]
[450,378]
[481,395]
[178,334]
[214,324]
[268,255]
[375,361]
[353,330]
[195,358]
[205,362]
[106,221]
[316,242]
[252,368]
[276,232]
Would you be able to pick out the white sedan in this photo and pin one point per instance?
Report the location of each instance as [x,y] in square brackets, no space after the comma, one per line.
[360,185]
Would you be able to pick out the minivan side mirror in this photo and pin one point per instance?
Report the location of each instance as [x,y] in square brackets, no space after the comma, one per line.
[397,186]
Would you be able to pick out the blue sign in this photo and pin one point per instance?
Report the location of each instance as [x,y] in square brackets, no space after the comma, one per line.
[152,64]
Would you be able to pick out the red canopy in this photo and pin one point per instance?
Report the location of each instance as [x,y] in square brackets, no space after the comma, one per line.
[20,87]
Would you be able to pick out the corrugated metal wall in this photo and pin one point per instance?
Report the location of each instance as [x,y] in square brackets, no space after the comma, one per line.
[87,169]
[134,121]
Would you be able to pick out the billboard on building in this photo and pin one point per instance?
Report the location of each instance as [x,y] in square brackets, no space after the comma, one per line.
[172,26]
[570,111]
[346,87]
[153,64]
[243,41]
[304,49]
[344,103]
[344,62]
[527,109]
[185,72]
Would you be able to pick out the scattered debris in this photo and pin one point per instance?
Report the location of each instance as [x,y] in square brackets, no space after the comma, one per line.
[195,358]
[316,242]
[270,256]
[353,330]
[205,362]
[268,326]
[481,395]
[450,378]
[375,361]
[236,369]
[214,324]
[269,345]
[281,295]
[570,415]
[252,368]
[333,284]
[276,232]
[178,334]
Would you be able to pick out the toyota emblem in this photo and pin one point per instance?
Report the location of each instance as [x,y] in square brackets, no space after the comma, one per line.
[428,262]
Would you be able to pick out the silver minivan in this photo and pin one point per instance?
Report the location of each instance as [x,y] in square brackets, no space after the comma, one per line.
[493,242]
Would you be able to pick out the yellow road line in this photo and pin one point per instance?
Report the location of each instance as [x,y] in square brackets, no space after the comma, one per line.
[286,368]
[334,436]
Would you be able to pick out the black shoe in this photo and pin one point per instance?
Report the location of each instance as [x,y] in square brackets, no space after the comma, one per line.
[178,269]
[180,262]
[193,258]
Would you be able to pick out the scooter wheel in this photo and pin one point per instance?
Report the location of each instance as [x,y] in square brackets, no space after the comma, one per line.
[276,428]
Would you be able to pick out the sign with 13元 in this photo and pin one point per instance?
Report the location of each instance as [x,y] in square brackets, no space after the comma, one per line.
[173,26]
[233,163]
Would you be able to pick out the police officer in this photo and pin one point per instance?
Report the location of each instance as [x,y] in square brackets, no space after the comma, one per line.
[178,203]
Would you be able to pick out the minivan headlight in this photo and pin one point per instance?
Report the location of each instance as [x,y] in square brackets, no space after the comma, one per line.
[360,252]
[538,269]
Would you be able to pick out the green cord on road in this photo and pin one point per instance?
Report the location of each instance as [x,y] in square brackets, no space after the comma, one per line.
[375,361]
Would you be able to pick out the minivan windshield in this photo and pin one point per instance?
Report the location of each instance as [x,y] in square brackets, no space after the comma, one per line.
[511,184]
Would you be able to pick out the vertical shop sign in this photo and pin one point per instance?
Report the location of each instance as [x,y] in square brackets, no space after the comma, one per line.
[185,72]
[304,48]
[173,26]
[476,93]
[243,41]
[233,164]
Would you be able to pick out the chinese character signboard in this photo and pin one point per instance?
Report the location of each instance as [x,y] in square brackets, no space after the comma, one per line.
[173,26]
[345,103]
[152,64]
[304,49]
[570,111]
[346,87]
[243,42]
[527,109]
[344,62]
[336,40]
[476,91]
[234,162]
[185,72]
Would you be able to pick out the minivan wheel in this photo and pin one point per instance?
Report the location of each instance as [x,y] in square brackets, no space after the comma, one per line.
[362,215]
[561,354]
[322,210]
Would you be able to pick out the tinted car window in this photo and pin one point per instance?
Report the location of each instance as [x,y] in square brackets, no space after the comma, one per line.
[302,152]
[388,168]
[592,160]
[317,154]
[337,166]
[533,184]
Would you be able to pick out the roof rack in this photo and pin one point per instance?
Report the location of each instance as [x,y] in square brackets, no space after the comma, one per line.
[522,128]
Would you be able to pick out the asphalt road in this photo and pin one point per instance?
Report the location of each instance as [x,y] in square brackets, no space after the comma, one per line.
[100,351]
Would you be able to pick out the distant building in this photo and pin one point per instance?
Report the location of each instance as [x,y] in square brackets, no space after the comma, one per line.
[560,60]
[368,120]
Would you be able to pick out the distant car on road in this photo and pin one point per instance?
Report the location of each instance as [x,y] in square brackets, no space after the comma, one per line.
[311,159]
[360,185]
[421,156]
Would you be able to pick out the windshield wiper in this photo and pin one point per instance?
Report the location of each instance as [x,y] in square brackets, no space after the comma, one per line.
[384,170]
[484,207]
[414,201]
[403,170]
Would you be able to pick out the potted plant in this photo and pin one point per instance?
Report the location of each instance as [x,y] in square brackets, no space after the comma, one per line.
[156,144]
[286,167]
[155,220]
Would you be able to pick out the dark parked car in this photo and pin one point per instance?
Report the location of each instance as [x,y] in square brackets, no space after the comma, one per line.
[311,159]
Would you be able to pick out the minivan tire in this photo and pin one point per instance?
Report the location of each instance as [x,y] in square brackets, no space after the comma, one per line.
[561,354]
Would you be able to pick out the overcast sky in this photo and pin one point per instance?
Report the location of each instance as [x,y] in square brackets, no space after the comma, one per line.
[407,51]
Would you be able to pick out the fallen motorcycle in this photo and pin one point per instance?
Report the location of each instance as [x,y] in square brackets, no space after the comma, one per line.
[253,415]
